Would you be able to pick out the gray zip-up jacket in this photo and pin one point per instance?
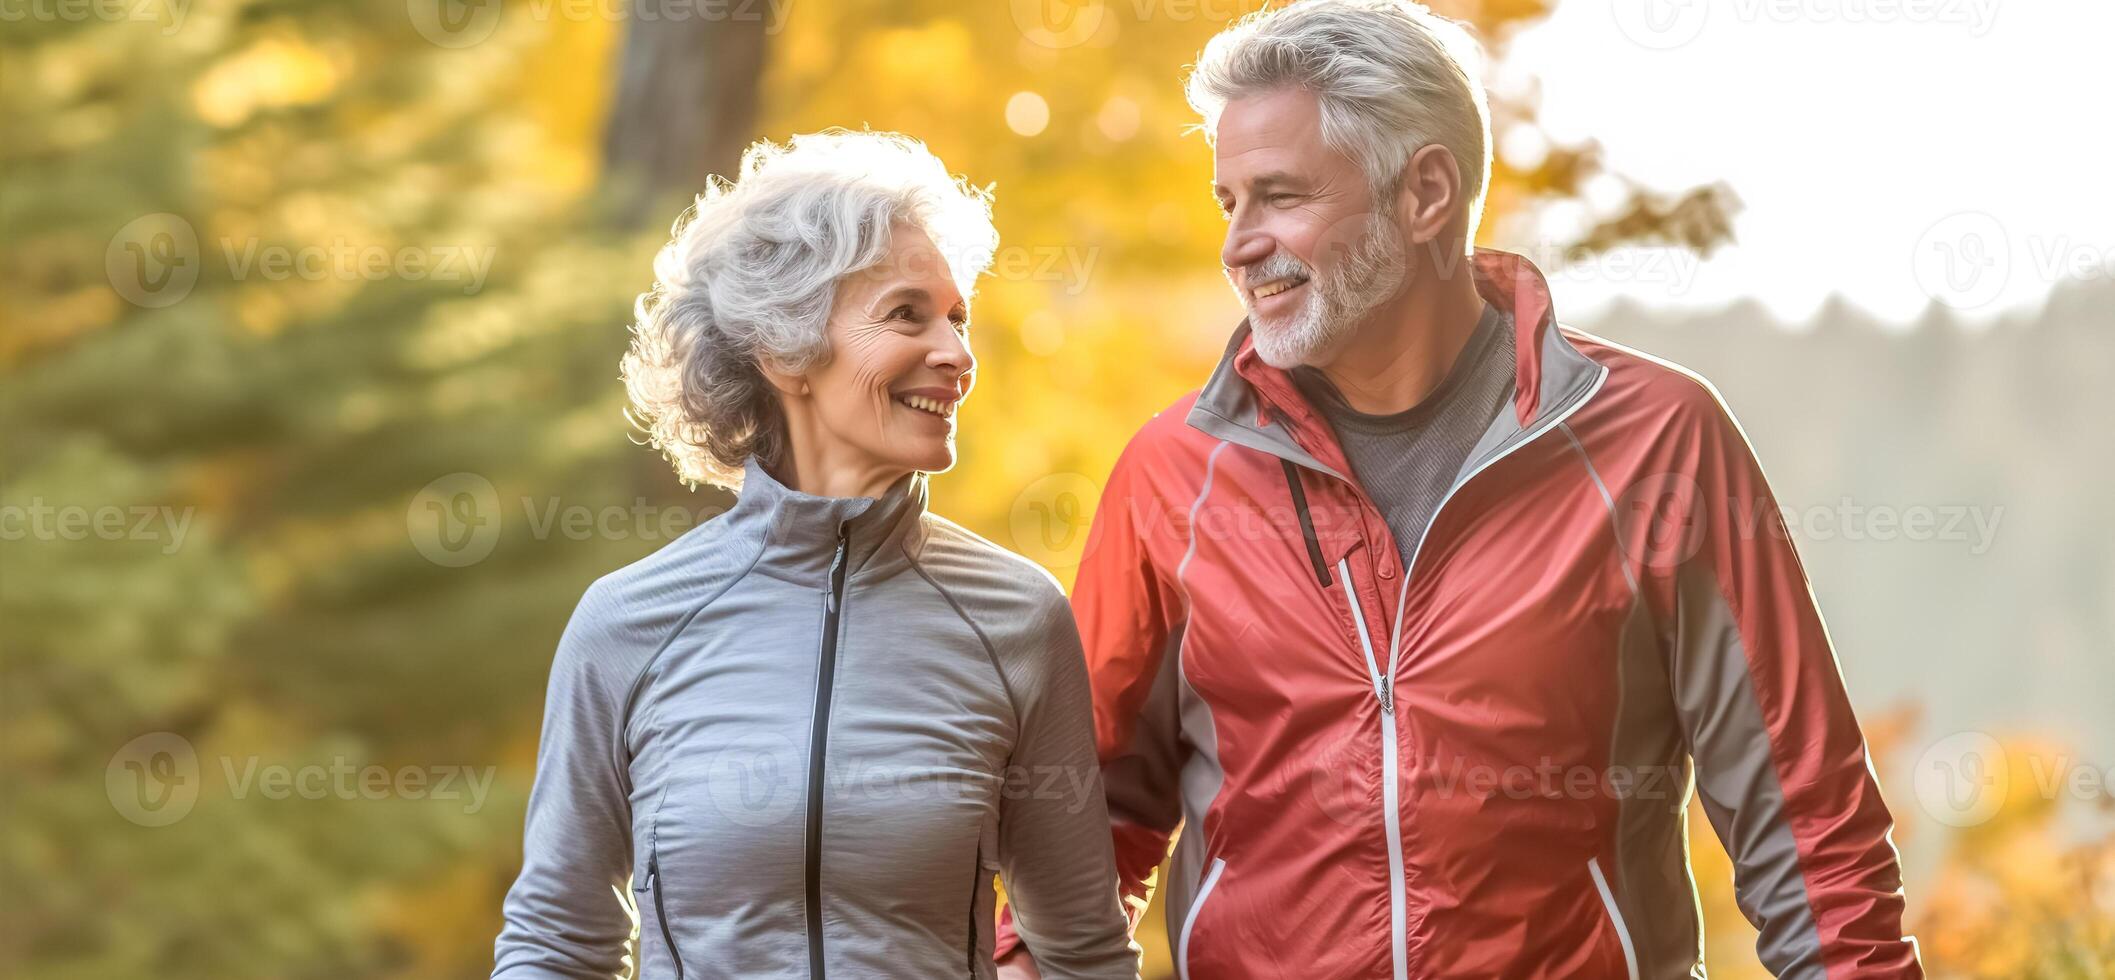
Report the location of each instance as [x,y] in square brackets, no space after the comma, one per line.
[802,738]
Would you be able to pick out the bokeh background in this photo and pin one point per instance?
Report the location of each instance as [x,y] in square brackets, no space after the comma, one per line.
[313,433]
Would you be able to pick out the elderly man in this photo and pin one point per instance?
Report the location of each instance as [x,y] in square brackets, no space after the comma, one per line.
[1426,614]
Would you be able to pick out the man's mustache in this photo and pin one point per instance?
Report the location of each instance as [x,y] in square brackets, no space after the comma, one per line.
[1277,265]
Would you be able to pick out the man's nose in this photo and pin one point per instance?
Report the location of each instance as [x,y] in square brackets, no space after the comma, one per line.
[1245,245]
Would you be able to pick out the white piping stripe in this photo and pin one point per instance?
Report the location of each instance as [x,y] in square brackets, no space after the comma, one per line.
[1615,916]
[1615,525]
[1211,466]
[1189,922]
[1391,815]
[1629,578]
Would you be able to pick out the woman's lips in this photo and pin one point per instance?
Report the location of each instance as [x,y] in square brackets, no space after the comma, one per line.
[938,403]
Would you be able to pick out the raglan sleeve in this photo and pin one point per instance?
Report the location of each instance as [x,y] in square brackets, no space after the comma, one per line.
[565,916]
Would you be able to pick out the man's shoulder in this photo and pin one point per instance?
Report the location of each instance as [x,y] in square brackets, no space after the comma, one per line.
[1168,436]
[1649,391]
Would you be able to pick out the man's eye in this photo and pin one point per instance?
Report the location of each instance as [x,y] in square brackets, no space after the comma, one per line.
[903,312]
[1282,200]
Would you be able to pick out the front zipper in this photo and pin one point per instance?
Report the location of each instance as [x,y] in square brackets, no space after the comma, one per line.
[1615,916]
[1384,680]
[653,884]
[1391,817]
[818,745]
[1189,922]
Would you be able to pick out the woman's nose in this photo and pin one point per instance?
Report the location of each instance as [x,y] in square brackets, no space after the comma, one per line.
[952,355]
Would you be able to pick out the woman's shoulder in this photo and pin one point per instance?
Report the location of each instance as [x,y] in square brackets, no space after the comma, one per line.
[960,557]
[1015,604]
[626,614]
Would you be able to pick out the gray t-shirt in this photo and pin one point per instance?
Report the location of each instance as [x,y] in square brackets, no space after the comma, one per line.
[1407,460]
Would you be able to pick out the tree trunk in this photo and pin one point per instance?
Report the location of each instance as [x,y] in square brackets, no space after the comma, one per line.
[685,106]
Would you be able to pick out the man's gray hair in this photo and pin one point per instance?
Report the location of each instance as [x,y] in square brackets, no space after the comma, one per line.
[750,275]
[1390,75]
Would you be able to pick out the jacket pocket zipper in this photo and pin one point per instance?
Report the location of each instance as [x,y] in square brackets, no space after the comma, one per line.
[653,884]
[1182,957]
[1615,916]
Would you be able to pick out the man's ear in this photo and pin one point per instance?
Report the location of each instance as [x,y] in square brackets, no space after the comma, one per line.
[1429,193]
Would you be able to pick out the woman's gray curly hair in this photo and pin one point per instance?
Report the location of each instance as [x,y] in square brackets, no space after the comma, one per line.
[749,275]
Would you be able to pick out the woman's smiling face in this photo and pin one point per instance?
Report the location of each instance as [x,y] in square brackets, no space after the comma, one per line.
[899,363]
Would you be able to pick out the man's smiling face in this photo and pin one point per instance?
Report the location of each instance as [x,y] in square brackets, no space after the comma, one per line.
[1306,250]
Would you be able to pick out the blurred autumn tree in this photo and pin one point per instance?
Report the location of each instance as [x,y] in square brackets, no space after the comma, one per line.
[298,415]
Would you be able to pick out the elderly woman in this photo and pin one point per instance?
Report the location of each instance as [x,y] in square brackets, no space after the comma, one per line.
[804,736]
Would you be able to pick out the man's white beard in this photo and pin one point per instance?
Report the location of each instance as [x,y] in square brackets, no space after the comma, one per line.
[1371,273]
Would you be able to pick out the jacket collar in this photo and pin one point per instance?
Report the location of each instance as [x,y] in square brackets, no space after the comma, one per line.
[1250,403]
[800,530]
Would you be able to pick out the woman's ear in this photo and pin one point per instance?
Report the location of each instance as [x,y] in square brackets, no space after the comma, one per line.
[789,385]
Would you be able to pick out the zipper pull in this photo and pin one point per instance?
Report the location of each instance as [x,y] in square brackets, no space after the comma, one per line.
[836,564]
[1381,689]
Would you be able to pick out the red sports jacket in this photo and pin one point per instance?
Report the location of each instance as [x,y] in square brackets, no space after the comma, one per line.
[1478,766]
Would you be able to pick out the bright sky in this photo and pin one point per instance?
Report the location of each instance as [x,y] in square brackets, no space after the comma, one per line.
[1892,151]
